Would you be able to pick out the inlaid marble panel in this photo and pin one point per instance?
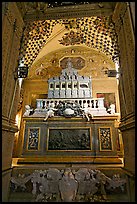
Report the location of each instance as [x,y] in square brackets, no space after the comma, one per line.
[33,138]
[105,138]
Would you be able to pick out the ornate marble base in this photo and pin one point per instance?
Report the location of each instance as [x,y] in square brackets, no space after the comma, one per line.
[70,140]
[83,184]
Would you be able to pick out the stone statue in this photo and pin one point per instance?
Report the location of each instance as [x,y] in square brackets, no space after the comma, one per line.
[28,110]
[87,112]
[102,179]
[111,109]
[50,111]
[68,186]
[82,175]
[49,114]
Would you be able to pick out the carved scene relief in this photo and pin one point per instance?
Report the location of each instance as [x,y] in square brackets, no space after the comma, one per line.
[69,139]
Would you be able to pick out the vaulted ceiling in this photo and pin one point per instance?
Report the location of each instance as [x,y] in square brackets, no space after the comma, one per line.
[52,27]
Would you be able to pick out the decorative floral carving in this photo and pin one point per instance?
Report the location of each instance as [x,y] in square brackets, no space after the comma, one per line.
[41,71]
[20,182]
[105,139]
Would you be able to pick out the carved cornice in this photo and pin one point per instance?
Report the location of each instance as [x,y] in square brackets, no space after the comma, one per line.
[92,9]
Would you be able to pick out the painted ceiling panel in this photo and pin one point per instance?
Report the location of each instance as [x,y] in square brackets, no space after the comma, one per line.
[88,62]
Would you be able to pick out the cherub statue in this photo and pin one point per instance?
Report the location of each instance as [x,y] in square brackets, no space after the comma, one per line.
[111,109]
[28,110]
[87,113]
[50,111]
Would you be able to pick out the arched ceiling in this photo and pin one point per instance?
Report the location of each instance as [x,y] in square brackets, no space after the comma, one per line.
[44,36]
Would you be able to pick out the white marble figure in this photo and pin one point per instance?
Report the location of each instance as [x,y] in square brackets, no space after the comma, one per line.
[49,114]
[28,109]
[50,111]
[68,186]
[112,109]
[87,112]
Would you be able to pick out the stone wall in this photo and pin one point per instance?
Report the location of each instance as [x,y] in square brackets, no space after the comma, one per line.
[12,26]
[124,24]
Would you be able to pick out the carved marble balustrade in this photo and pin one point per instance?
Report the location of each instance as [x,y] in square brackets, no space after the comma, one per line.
[83,102]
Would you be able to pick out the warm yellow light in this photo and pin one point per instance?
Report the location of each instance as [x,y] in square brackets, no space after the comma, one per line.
[17,120]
